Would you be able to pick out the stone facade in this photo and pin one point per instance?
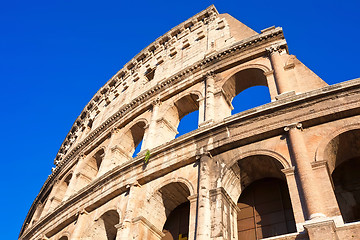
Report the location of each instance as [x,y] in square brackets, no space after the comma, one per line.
[287,169]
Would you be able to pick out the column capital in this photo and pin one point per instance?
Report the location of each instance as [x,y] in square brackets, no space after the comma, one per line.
[205,153]
[82,156]
[115,130]
[133,184]
[278,47]
[210,74]
[82,212]
[297,125]
[156,102]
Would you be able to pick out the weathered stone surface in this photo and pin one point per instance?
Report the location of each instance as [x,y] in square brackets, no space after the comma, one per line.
[307,138]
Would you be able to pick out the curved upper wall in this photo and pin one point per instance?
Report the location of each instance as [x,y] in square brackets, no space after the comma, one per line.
[191,41]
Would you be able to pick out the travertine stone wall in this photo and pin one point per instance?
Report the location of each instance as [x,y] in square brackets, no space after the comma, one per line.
[98,190]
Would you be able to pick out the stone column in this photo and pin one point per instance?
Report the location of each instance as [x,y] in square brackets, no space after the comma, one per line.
[295,198]
[80,225]
[209,97]
[270,79]
[223,105]
[50,199]
[308,190]
[224,215]
[109,161]
[203,221]
[126,227]
[192,218]
[329,202]
[150,139]
[282,82]
[74,184]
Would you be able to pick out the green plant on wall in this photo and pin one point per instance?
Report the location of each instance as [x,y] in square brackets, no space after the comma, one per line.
[147,156]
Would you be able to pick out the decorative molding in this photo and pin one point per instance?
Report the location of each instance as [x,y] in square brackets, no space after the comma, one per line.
[293,126]
[288,171]
[142,220]
[167,124]
[319,164]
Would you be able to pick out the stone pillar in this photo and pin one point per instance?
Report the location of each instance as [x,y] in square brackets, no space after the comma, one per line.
[224,215]
[329,202]
[223,106]
[109,161]
[295,198]
[75,183]
[271,84]
[80,225]
[126,227]
[192,218]
[150,139]
[50,199]
[282,82]
[308,190]
[322,230]
[210,97]
[203,221]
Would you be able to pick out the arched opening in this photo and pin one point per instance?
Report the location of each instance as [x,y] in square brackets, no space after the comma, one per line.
[177,210]
[94,163]
[172,210]
[177,224]
[181,118]
[265,205]
[247,89]
[104,227]
[133,139]
[63,238]
[343,154]
[63,186]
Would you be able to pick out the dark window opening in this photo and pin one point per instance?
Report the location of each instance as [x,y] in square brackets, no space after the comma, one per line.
[346,180]
[265,210]
[177,224]
[150,73]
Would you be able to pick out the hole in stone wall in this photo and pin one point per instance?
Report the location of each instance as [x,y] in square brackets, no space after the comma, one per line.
[150,73]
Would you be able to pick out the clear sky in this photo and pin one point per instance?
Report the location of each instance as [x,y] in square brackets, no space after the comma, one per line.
[55,55]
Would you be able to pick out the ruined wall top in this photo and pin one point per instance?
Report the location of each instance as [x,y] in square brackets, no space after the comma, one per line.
[191,41]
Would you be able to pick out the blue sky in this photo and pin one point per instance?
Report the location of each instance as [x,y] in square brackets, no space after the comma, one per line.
[55,55]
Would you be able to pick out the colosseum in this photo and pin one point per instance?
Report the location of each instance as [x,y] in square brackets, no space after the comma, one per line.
[285,170]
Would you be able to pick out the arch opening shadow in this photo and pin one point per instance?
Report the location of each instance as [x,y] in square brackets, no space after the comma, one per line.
[265,205]
[343,154]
